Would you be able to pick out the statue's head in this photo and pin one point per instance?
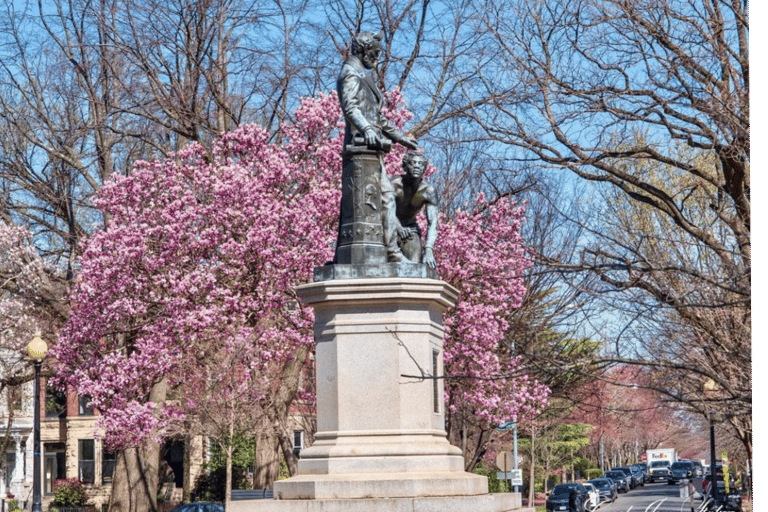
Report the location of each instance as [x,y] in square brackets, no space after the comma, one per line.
[367,46]
[414,164]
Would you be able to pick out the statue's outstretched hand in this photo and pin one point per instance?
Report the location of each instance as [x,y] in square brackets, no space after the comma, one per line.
[409,142]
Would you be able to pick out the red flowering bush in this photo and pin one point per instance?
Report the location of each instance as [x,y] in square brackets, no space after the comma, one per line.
[69,492]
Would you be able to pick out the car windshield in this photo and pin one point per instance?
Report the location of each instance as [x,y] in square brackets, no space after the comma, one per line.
[659,464]
[600,484]
[563,488]
[681,465]
[615,474]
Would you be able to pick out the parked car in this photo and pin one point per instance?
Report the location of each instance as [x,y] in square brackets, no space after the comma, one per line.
[642,469]
[606,487]
[659,470]
[637,470]
[593,494]
[560,498]
[200,506]
[632,478]
[679,471]
[622,482]
[698,468]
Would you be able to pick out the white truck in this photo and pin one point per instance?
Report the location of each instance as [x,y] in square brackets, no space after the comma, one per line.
[659,460]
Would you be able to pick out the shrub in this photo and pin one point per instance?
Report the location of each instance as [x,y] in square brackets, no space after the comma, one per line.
[594,473]
[13,506]
[494,484]
[69,493]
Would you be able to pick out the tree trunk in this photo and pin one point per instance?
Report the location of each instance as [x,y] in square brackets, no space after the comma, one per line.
[134,484]
[269,442]
[532,484]
[228,488]
[188,484]
[266,466]
[285,440]
[135,479]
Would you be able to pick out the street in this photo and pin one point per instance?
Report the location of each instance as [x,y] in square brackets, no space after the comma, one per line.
[649,498]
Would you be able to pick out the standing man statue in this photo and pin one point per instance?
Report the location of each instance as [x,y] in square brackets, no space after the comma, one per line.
[412,193]
[368,204]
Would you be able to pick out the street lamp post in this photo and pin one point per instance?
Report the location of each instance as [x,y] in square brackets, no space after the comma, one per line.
[37,349]
[514,434]
[713,460]
[709,387]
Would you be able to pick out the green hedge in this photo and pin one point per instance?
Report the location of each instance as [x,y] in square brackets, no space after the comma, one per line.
[494,484]
[593,473]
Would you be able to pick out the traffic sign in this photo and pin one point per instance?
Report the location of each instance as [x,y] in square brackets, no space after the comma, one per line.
[515,476]
[505,461]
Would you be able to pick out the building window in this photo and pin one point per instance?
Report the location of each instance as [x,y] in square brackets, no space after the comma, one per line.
[85,460]
[10,468]
[298,441]
[85,407]
[435,387]
[55,403]
[107,464]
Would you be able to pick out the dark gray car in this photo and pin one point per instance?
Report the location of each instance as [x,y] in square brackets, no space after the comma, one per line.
[633,479]
[560,498]
[620,478]
[679,471]
[606,487]
[638,474]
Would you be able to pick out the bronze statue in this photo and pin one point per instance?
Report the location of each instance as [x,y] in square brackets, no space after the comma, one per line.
[361,100]
[412,193]
[368,205]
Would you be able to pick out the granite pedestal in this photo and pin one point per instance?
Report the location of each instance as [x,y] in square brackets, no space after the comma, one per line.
[381,443]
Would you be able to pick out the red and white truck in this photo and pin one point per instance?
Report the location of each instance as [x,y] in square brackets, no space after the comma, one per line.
[659,460]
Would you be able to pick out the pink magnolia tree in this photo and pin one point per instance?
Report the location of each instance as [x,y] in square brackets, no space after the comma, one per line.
[202,247]
[482,254]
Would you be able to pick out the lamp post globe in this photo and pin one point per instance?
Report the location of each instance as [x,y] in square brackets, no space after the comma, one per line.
[36,350]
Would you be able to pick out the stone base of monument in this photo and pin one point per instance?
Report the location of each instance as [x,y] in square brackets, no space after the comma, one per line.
[502,502]
[381,443]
